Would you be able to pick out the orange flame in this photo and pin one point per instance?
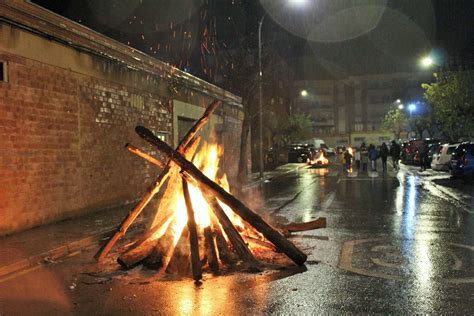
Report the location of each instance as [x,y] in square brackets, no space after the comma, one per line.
[207,160]
[321,160]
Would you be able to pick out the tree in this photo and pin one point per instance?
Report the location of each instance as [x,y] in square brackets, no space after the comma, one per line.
[452,98]
[423,122]
[395,121]
[238,70]
[298,127]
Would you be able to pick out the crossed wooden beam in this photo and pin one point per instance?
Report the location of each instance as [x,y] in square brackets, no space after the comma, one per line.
[212,193]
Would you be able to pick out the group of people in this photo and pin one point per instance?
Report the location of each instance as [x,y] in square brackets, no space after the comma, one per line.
[364,154]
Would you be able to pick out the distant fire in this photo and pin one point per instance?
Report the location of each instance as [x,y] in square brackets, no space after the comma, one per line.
[321,160]
[351,151]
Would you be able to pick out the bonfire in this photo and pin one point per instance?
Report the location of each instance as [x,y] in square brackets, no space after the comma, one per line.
[199,224]
[321,161]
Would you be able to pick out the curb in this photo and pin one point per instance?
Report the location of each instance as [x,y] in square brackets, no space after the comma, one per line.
[58,253]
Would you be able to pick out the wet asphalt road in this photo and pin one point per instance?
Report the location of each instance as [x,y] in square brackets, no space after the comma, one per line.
[392,245]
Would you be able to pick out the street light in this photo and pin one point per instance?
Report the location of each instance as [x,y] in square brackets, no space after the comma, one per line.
[260,101]
[297,2]
[401,106]
[304,93]
[426,62]
[399,101]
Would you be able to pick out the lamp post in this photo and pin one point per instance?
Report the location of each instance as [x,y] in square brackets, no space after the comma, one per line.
[260,74]
[260,101]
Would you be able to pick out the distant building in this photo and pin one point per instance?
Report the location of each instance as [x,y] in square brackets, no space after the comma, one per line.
[351,110]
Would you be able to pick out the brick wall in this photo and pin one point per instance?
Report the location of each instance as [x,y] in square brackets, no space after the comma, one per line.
[71,102]
[61,142]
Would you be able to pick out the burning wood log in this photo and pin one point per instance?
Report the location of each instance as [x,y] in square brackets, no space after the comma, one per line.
[193,236]
[144,155]
[231,232]
[225,255]
[213,188]
[132,215]
[211,252]
[199,124]
[179,262]
[261,243]
[161,254]
[167,201]
[155,230]
[155,187]
[143,248]
[140,250]
[136,255]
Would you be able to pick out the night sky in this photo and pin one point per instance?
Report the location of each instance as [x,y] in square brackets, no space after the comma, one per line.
[324,39]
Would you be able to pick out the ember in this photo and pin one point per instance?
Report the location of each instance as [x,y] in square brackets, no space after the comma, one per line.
[198,220]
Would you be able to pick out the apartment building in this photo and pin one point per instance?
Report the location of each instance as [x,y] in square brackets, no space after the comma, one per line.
[351,110]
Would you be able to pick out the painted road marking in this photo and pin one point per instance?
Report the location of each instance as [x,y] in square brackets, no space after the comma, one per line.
[380,258]
[328,201]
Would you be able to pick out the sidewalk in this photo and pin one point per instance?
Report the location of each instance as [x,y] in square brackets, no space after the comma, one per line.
[441,184]
[49,243]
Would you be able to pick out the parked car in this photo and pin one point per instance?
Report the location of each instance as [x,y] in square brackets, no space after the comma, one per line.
[432,149]
[299,153]
[409,156]
[329,150]
[462,160]
[276,156]
[441,160]
[318,145]
[409,151]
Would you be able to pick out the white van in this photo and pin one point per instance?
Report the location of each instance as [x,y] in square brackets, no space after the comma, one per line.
[318,144]
[442,158]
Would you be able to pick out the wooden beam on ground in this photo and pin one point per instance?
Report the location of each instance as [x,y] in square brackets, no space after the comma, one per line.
[300,227]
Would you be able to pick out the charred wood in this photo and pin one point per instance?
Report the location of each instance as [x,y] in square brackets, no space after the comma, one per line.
[211,252]
[193,236]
